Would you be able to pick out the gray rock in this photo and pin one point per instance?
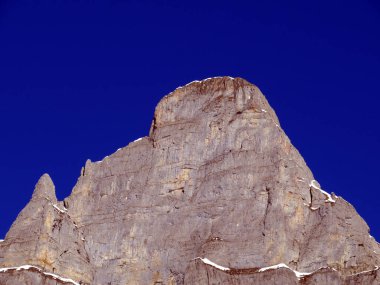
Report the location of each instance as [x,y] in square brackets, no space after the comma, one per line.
[216,178]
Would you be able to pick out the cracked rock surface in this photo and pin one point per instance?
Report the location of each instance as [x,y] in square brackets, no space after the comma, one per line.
[216,178]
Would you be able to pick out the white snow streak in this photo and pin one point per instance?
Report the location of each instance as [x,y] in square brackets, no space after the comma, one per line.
[273,267]
[315,185]
[208,79]
[27,267]
[59,210]
[311,208]
[55,276]
[277,266]
[367,271]
[1,240]
[330,199]
[100,161]
[209,262]
[283,265]
[199,81]
[264,111]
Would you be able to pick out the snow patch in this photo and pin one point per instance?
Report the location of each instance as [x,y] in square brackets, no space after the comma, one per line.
[59,209]
[209,262]
[264,111]
[311,208]
[199,81]
[316,185]
[55,276]
[1,240]
[217,239]
[139,139]
[298,274]
[367,271]
[283,265]
[27,267]
[100,161]
[209,78]
[194,81]
[23,267]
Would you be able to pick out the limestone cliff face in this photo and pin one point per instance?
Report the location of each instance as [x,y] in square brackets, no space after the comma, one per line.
[216,194]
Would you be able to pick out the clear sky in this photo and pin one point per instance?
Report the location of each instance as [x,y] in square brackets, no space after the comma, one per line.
[80,79]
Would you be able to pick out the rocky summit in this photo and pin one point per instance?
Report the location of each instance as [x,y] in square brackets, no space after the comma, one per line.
[215,194]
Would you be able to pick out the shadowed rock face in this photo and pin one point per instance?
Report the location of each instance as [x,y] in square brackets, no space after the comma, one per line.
[216,178]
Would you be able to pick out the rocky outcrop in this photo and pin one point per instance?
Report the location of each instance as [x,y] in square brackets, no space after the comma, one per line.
[216,180]
[44,235]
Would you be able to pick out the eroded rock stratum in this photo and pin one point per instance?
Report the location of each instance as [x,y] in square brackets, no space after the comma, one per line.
[216,194]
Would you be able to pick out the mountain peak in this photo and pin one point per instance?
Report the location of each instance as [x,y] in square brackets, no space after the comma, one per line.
[217,97]
[216,194]
[45,189]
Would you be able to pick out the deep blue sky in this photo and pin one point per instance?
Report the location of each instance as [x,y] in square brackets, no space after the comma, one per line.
[79,79]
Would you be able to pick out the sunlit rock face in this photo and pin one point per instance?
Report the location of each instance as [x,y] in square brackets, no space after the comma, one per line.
[216,194]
